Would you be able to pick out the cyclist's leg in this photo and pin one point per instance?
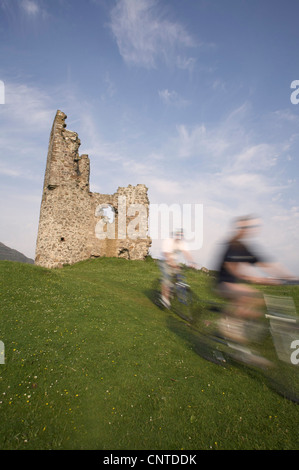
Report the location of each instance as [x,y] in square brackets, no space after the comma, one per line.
[249,302]
[244,303]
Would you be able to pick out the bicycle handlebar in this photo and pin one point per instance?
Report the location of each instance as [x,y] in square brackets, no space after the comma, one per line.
[272,281]
[288,282]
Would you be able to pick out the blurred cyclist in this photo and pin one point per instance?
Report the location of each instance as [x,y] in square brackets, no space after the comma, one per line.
[172,249]
[245,301]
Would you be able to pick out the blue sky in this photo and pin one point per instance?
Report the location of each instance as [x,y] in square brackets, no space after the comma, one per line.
[190,97]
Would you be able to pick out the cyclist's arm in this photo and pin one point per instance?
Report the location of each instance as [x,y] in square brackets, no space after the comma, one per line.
[188,257]
[237,270]
[276,270]
[268,268]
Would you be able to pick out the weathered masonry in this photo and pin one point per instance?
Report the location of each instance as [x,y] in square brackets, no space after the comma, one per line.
[76,224]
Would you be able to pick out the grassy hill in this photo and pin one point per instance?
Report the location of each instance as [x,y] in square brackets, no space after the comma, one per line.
[91,363]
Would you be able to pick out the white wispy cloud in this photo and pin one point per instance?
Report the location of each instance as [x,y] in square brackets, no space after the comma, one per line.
[172,98]
[26,105]
[31,7]
[199,141]
[24,121]
[110,88]
[144,37]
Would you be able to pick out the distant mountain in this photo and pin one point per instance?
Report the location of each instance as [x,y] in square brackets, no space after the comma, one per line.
[10,254]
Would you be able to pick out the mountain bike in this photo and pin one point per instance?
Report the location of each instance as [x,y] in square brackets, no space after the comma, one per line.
[182,298]
[272,347]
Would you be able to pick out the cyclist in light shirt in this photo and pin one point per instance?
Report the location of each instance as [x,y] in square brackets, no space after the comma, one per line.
[172,249]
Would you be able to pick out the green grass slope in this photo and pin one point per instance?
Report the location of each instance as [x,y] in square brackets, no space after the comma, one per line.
[92,363]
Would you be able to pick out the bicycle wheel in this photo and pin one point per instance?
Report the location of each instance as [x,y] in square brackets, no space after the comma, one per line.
[207,348]
[155,293]
[182,301]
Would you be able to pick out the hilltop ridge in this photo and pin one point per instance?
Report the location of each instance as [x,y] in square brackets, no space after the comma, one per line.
[10,254]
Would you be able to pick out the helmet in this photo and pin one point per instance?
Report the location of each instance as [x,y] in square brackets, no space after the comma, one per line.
[178,233]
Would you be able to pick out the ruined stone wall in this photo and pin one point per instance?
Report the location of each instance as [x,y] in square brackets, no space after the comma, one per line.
[72,225]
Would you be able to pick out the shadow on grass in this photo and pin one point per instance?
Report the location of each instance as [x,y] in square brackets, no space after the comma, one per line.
[196,341]
[153,292]
[204,348]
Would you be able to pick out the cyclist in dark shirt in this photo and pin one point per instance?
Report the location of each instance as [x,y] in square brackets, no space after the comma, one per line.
[233,281]
[236,252]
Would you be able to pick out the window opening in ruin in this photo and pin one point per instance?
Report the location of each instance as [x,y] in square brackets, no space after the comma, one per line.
[107,212]
[124,253]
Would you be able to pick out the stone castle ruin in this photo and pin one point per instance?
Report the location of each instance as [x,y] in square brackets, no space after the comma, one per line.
[76,224]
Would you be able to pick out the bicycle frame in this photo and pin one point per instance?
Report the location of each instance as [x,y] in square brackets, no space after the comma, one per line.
[181,295]
[180,287]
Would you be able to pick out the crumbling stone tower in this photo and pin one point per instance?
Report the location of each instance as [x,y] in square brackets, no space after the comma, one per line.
[76,224]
